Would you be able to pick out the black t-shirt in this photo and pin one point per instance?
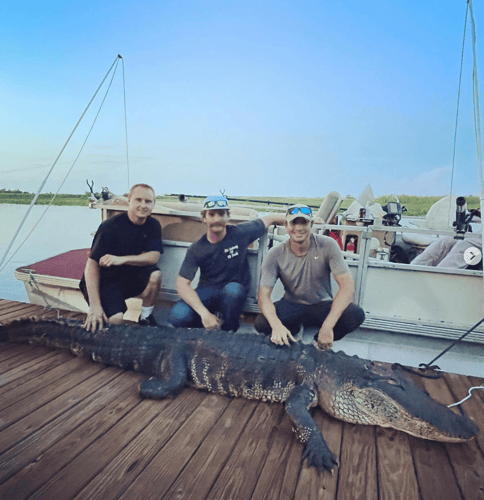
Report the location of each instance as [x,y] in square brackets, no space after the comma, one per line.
[226,261]
[119,236]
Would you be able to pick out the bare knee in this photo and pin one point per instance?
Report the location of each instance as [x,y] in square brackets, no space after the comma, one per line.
[116,319]
[155,279]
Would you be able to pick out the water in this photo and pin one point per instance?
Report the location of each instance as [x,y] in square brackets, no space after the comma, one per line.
[61,229]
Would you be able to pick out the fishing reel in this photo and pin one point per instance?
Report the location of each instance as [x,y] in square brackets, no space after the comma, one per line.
[463,218]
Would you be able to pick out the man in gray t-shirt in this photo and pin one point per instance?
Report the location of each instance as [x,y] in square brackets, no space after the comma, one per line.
[304,264]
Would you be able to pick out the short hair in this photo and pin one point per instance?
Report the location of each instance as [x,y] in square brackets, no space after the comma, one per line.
[146,186]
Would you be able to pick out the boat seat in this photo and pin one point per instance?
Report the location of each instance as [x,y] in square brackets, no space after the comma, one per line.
[419,240]
[329,208]
[441,214]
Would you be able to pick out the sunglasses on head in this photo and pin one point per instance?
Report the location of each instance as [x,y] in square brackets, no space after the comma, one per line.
[295,210]
[217,203]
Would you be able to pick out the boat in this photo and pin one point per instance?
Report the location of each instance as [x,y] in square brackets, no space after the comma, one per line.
[410,309]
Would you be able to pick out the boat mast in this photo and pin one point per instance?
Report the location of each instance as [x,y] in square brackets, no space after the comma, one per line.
[477,113]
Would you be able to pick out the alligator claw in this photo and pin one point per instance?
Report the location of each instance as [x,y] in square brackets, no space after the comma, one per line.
[319,455]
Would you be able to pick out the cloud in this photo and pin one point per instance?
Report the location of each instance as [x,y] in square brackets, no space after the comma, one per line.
[435,182]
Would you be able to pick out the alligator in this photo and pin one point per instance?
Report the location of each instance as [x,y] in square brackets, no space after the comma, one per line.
[248,365]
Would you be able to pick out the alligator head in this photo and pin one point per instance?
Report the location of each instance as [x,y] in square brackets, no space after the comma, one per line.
[363,392]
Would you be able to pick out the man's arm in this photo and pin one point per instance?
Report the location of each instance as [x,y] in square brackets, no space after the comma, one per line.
[341,301]
[96,315]
[271,219]
[144,259]
[280,334]
[190,296]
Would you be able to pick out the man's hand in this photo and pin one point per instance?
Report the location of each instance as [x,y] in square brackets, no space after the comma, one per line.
[325,337]
[95,317]
[281,335]
[210,321]
[110,260]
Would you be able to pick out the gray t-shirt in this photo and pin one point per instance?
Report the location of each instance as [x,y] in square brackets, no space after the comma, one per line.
[306,279]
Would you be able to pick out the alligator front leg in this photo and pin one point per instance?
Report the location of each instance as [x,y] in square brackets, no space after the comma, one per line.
[172,378]
[316,450]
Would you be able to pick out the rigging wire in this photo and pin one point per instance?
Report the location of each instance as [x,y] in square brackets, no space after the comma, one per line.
[68,173]
[53,165]
[457,110]
[477,108]
[125,122]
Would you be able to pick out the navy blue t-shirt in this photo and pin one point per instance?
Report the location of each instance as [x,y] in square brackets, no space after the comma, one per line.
[226,261]
[119,236]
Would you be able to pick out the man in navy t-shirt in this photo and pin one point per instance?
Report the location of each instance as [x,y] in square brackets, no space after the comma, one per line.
[122,262]
[221,256]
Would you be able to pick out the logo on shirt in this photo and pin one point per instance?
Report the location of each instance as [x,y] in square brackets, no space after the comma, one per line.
[232,251]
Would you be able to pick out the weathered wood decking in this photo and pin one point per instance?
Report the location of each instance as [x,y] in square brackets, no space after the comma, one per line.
[71,428]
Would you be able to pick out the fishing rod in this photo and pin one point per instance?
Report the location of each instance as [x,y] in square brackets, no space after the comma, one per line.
[183,197]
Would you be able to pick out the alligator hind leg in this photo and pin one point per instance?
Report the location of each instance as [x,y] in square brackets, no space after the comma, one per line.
[316,450]
[172,379]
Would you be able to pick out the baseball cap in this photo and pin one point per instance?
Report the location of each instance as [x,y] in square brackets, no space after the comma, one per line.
[216,202]
[299,210]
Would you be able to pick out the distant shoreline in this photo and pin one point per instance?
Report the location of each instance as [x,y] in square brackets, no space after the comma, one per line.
[415,205]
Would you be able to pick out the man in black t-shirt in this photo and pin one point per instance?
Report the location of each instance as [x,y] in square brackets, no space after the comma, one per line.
[122,262]
[221,256]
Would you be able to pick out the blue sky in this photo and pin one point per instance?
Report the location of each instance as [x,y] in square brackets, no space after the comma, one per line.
[254,97]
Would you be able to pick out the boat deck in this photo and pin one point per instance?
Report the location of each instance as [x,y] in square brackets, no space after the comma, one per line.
[71,428]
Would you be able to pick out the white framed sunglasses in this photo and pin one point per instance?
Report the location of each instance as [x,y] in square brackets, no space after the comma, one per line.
[216,204]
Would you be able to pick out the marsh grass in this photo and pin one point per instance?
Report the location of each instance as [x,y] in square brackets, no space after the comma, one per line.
[415,205]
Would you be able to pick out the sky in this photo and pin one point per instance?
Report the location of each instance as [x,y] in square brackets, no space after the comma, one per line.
[252,98]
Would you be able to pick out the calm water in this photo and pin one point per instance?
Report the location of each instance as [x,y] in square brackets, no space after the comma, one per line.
[61,229]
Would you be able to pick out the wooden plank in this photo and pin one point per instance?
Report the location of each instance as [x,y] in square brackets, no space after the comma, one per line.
[4,346]
[11,305]
[459,386]
[14,351]
[310,484]
[27,397]
[31,369]
[17,312]
[358,471]
[239,477]
[467,458]
[150,463]
[396,472]
[21,310]
[468,465]
[280,471]
[434,472]
[38,458]
[432,465]
[80,471]
[18,356]
[56,399]
[477,393]
[196,479]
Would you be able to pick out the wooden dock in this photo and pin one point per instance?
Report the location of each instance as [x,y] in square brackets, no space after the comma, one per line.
[71,428]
